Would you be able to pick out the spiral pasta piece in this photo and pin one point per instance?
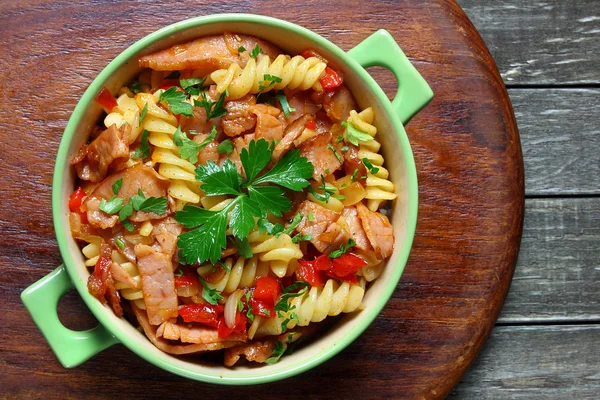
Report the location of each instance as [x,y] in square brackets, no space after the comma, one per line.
[238,275]
[330,300]
[281,253]
[295,73]
[378,187]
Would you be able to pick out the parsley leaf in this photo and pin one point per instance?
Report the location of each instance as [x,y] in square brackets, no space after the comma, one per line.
[370,166]
[261,156]
[128,225]
[242,218]
[176,100]
[311,217]
[291,171]
[193,216]
[189,149]
[225,147]
[192,85]
[156,205]
[111,206]
[277,353]
[300,237]
[243,247]
[270,198]
[343,249]
[117,185]
[285,106]
[354,174]
[144,150]
[241,49]
[355,135]
[272,79]
[219,180]
[214,109]
[205,242]
[321,197]
[208,294]
[256,51]
[143,114]
[136,87]
[264,225]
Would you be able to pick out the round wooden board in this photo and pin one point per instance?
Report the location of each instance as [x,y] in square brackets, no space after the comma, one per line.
[470,172]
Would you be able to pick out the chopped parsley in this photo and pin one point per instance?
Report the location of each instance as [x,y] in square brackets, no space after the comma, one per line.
[277,353]
[285,106]
[256,51]
[208,294]
[139,202]
[117,185]
[119,242]
[300,237]
[283,307]
[253,199]
[272,79]
[343,249]
[354,174]
[243,247]
[111,206]
[371,167]
[144,150]
[143,114]
[192,86]
[345,148]
[188,149]
[335,153]
[354,135]
[214,109]
[177,101]
[136,87]
[241,49]
[311,217]
[225,147]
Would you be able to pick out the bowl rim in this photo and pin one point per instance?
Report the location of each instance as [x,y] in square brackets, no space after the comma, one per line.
[63,231]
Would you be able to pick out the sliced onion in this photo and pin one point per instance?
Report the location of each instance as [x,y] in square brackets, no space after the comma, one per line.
[231,307]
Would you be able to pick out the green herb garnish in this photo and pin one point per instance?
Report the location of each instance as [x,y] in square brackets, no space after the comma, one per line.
[372,169]
[117,186]
[225,147]
[214,109]
[144,150]
[177,101]
[285,106]
[208,294]
[143,114]
[354,135]
[343,249]
[188,149]
[256,51]
[253,199]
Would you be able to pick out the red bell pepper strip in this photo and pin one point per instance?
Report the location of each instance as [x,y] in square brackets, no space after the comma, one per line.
[106,100]
[206,314]
[307,272]
[267,290]
[76,199]
[239,327]
[262,308]
[331,80]
[311,125]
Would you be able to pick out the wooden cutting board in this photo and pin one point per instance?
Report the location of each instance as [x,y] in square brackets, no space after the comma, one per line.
[469,166]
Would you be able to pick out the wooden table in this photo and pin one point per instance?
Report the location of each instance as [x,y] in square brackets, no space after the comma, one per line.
[547,339]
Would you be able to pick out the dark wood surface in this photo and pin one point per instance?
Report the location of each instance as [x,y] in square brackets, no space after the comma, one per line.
[471,202]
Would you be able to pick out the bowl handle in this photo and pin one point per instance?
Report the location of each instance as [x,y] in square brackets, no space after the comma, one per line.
[380,49]
[71,347]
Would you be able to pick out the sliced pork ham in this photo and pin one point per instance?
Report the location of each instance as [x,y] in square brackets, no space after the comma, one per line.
[292,132]
[167,346]
[355,226]
[133,179]
[195,334]
[240,116]
[334,236]
[268,126]
[324,153]
[101,283]
[158,284]
[165,233]
[258,351]
[322,219]
[378,230]
[109,149]
[206,53]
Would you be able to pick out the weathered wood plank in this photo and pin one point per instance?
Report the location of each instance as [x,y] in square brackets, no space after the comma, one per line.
[558,270]
[560,137]
[535,362]
[540,42]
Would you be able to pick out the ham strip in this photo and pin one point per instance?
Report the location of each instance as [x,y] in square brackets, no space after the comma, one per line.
[378,230]
[319,152]
[158,284]
[258,351]
[322,220]
[195,334]
[356,230]
[178,349]
[165,233]
[111,148]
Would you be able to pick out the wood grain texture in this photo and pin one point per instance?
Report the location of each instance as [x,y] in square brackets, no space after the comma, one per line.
[546,362]
[466,148]
[560,136]
[557,274]
[538,42]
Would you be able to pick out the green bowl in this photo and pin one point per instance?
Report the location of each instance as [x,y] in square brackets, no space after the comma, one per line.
[41,299]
